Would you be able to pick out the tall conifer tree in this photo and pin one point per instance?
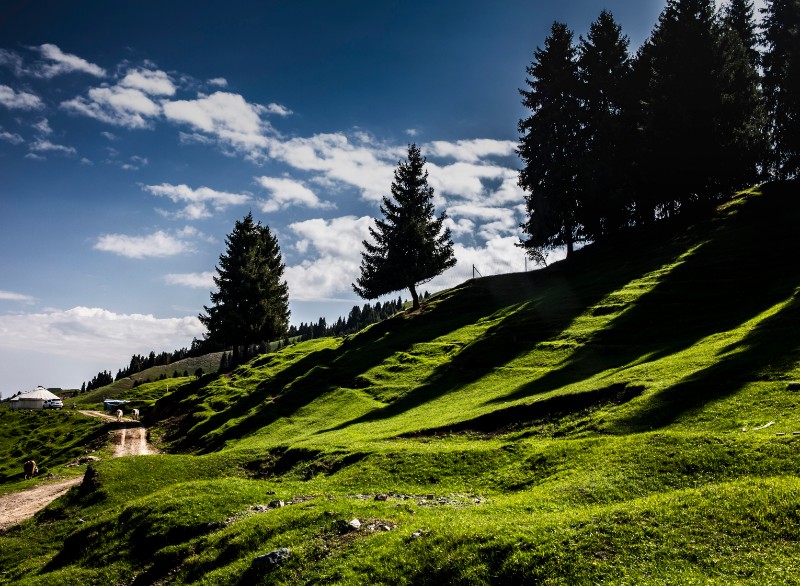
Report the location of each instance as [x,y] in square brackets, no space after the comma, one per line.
[604,69]
[782,84]
[411,245]
[251,304]
[742,119]
[550,145]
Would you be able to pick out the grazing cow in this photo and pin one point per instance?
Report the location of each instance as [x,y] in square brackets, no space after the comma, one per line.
[30,469]
[119,414]
[135,414]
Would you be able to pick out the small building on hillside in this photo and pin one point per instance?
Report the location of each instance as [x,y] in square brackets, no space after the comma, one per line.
[31,399]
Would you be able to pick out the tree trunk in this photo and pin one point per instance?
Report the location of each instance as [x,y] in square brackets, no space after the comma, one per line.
[414,297]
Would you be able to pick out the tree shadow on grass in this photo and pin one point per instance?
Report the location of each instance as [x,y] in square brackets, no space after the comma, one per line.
[562,293]
[767,352]
[320,372]
[724,283]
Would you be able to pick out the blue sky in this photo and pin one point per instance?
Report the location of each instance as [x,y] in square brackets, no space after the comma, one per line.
[133,135]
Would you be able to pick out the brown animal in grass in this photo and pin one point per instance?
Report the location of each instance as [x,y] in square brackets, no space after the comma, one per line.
[30,469]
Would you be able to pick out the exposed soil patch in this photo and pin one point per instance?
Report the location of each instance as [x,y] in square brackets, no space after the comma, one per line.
[130,439]
[15,507]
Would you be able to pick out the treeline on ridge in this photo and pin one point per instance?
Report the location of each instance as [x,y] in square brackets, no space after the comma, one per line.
[616,139]
[357,319]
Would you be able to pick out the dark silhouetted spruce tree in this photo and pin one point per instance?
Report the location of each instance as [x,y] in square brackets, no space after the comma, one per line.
[251,303]
[550,145]
[741,118]
[738,16]
[782,84]
[411,245]
[606,129]
[685,169]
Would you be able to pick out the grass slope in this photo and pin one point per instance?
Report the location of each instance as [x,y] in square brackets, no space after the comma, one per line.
[601,421]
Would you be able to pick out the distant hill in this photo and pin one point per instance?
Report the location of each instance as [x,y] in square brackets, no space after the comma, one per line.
[625,417]
[209,363]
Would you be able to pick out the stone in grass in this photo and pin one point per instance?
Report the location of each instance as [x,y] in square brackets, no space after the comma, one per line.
[273,558]
[348,526]
[276,504]
[794,386]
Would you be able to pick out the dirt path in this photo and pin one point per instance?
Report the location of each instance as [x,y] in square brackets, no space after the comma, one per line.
[130,439]
[18,506]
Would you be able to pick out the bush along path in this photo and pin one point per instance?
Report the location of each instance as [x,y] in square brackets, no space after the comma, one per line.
[130,439]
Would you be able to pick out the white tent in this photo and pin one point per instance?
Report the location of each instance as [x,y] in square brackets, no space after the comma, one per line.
[31,399]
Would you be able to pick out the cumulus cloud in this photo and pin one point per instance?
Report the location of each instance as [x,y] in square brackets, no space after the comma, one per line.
[203,280]
[44,145]
[43,127]
[285,192]
[154,83]
[118,105]
[278,110]
[59,63]
[11,137]
[358,162]
[13,61]
[17,297]
[15,100]
[218,82]
[158,244]
[103,334]
[472,150]
[197,200]
[333,253]
[227,117]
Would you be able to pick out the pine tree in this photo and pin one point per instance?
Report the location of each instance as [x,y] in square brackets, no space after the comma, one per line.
[604,70]
[684,167]
[550,145]
[741,118]
[411,245]
[251,303]
[738,16]
[782,84]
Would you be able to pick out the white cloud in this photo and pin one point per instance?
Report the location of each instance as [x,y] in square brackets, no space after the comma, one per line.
[19,100]
[11,137]
[227,117]
[158,244]
[278,110]
[154,83]
[96,332]
[65,63]
[197,200]
[218,82]
[337,245]
[412,132]
[471,151]
[13,61]
[287,192]
[109,135]
[360,163]
[18,297]
[35,157]
[43,127]
[44,145]
[85,161]
[121,106]
[203,280]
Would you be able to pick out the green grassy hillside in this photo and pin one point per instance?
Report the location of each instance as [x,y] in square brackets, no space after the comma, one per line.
[128,388]
[625,417]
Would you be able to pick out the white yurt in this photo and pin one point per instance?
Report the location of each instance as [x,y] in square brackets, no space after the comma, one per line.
[31,399]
